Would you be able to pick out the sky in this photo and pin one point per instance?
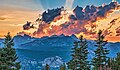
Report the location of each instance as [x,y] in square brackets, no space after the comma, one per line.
[15,13]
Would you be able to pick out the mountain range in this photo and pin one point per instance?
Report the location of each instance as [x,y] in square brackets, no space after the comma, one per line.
[53,50]
[59,43]
[54,42]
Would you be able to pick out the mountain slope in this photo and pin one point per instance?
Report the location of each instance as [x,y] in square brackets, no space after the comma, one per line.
[60,43]
[51,43]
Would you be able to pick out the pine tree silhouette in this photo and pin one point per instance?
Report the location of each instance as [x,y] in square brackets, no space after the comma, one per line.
[115,62]
[100,60]
[8,57]
[47,67]
[63,67]
[79,56]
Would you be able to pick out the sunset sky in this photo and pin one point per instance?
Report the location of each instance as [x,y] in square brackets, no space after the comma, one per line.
[15,13]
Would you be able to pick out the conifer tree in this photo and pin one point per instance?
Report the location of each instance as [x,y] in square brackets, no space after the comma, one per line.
[47,67]
[109,62]
[3,64]
[72,64]
[8,55]
[115,62]
[79,56]
[83,52]
[63,67]
[100,59]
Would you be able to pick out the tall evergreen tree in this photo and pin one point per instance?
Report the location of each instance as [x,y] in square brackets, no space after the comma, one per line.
[63,67]
[115,62]
[79,56]
[72,64]
[8,55]
[3,64]
[47,67]
[100,59]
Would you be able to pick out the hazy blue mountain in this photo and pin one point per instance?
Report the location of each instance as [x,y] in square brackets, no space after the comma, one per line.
[1,44]
[60,43]
[42,44]
[18,39]
[34,53]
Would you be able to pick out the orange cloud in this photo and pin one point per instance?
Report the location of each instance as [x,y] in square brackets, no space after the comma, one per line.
[12,19]
[2,18]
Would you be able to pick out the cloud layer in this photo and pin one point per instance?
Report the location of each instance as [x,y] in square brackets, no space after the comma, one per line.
[84,21]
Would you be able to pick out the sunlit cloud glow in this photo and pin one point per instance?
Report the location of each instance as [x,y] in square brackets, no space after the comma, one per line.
[68,4]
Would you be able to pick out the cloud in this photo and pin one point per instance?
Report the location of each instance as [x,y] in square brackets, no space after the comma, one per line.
[12,19]
[48,16]
[2,18]
[81,21]
[86,21]
[72,17]
[92,12]
[27,26]
[118,31]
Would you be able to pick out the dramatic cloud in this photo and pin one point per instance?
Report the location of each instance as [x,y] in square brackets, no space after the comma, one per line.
[92,13]
[118,31]
[79,21]
[49,16]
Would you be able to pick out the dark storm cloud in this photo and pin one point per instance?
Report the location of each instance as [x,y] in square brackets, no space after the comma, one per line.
[79,13]
[72,17]
[103,10]
[89,13]
[49,15]
[27,26]
[92,12]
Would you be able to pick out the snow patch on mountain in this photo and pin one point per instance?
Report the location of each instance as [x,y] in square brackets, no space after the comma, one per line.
[53,61]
